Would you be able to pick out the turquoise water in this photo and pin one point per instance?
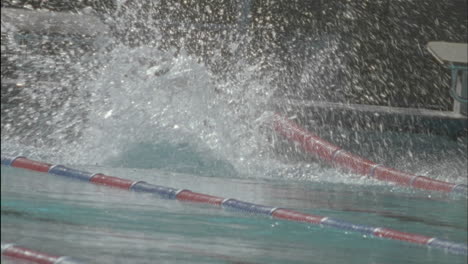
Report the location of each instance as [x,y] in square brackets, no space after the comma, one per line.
[190,137]
[168,117]
[104,225]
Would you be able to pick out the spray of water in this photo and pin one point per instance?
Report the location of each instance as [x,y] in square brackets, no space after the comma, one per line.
[202,83]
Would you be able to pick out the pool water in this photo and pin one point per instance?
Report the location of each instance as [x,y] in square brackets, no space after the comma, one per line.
[105,225]
[147,112]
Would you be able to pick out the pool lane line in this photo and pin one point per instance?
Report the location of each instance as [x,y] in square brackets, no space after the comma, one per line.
[340,158]
[31,256]
[232,204]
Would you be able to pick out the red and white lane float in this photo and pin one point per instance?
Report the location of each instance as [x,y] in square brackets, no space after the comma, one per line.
[338,157]
[184,195]
[31,256]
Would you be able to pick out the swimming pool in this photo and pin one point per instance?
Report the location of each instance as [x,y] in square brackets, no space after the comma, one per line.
[104,225]
[156,114]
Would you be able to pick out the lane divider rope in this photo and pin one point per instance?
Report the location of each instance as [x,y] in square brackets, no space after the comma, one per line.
[32,256]
[336,156]
[185,195]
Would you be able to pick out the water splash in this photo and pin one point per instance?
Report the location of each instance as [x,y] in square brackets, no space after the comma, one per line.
[169,77]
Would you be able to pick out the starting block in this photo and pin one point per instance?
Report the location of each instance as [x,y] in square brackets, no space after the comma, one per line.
[455,57]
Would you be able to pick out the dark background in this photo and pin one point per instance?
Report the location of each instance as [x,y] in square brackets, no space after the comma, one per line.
[353,51]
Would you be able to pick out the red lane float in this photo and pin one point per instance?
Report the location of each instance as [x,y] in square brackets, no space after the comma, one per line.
[33,165]
[403,236]
[194,197]
[29,255]
[111,181]
[309,142]
[431,184]
[286,214]
[32,256]
[336,156]
[323,149]
[278,213]
[353,162]
[391,175]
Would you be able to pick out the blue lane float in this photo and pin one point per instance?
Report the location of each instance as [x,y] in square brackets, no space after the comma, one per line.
[71,173]
[7,161]
[233,204]
[363,229]
[161,191]
[461,188]
[251,208]
[455,248]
